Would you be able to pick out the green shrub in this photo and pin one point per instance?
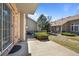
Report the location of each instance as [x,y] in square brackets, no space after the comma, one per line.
[68,33]
[41,35]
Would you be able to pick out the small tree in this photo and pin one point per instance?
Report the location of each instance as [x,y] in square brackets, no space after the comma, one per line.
[43,23]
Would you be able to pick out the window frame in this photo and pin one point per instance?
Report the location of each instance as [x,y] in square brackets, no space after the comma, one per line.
[73,26]
[1,27]
[11,18]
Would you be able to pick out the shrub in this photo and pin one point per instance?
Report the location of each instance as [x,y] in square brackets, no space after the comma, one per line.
[41,35]
[68,33]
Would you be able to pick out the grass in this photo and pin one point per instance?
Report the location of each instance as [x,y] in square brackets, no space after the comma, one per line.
[67,43]
[74,38]
[67,33]
[41,35]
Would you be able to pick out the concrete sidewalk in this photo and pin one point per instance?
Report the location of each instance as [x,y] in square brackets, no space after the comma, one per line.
[48,48]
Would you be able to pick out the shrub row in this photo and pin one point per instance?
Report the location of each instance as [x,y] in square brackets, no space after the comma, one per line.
[68,33]
[41,35]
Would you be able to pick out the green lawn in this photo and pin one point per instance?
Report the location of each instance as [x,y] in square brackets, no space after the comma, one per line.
[67,43]
[74,38]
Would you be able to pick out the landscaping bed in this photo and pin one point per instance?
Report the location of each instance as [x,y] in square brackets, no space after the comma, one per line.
[41,35]
[67,43]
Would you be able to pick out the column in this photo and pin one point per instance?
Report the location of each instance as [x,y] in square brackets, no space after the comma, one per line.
[22,27]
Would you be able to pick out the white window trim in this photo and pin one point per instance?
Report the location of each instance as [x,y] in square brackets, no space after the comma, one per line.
[74,28]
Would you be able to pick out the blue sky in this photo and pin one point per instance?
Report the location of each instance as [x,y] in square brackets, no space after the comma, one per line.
[56,10]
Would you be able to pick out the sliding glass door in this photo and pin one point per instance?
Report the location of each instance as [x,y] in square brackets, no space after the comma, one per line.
[0,27]
[5,26]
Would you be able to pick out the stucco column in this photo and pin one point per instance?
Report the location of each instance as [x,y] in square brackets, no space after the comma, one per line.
[23,32]
[22,27]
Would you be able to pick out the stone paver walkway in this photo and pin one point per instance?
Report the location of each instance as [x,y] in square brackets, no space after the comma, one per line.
[48,48]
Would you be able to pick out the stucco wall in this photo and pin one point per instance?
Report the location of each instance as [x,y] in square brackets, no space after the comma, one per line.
[15,28]
[76,22]
[31,25]
[67,26]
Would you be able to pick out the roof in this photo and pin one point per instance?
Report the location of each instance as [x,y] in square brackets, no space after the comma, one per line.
[26,7]
[31,19]
[64,20]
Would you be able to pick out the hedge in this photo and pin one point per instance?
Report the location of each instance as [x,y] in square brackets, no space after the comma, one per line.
[68,33]
[41,35]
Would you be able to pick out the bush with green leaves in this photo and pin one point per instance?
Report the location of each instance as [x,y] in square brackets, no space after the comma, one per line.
[41,35]
[68,33]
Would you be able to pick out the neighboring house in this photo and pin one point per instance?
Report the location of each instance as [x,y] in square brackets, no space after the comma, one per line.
[68,24]
[31,25]
[13,24]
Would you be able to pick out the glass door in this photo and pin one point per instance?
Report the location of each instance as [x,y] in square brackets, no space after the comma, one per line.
[7,21]
[5,26]
[0,27]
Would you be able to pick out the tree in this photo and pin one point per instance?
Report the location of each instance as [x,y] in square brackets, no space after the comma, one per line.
[43,23]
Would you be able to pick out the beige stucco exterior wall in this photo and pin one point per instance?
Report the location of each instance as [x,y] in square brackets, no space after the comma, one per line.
[74,21]
[22,26]
[31,25]
[38,28]
[18,23]
[15,27]
[67,26]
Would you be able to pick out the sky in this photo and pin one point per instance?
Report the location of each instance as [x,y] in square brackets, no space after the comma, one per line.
[56,10]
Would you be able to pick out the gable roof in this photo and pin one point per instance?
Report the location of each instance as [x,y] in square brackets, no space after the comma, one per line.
[64,20]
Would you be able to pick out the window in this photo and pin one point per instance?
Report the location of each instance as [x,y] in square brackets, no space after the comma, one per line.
[0,26]
[75,28]
[72,28]
[6,26]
